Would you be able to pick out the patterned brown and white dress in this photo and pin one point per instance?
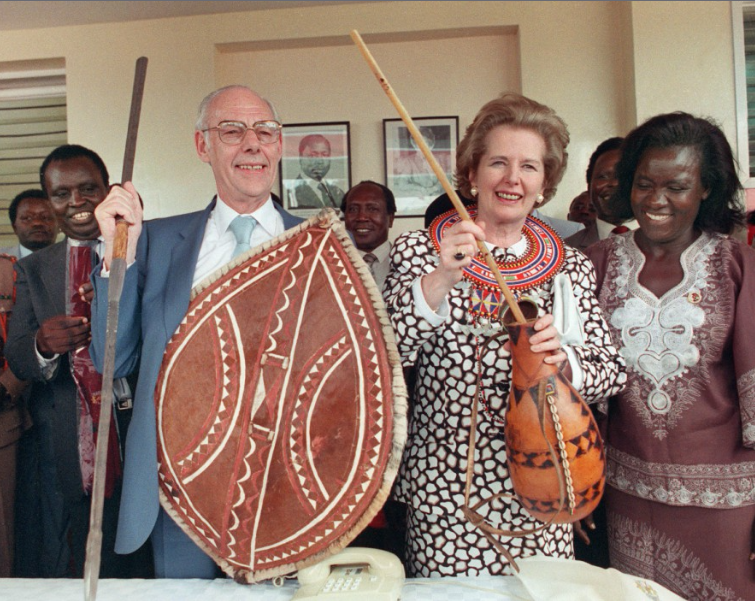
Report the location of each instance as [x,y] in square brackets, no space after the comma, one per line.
[440,541]
[681,436]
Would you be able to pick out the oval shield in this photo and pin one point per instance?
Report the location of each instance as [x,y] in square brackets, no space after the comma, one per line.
[281,407]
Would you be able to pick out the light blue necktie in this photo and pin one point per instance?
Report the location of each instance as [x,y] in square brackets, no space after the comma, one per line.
[242,228]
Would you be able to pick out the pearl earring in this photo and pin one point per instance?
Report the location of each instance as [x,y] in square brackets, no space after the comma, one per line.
[539,200]
[473,190]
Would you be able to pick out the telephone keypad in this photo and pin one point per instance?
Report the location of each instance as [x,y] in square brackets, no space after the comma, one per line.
[346,579]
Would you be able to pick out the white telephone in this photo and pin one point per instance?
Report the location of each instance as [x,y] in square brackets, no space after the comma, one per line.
[354,574]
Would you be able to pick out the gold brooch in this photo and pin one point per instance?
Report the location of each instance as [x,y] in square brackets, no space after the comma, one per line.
[694,296]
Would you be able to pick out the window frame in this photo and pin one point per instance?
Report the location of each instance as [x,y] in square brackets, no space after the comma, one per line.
[740,89]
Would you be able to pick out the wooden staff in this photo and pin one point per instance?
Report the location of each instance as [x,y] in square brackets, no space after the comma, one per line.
[115,287]
[440,174]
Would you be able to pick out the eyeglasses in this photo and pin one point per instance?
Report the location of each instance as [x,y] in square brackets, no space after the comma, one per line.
[233,132]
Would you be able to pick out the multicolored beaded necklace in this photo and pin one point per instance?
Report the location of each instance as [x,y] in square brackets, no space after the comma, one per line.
[540,263]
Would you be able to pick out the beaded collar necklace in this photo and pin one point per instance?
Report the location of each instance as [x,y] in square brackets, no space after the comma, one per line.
[540,263]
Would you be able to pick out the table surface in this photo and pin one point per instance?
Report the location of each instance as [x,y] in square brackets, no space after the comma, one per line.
[441,589]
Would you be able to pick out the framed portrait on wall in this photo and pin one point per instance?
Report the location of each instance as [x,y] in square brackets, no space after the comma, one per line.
[315,168]
[407,172]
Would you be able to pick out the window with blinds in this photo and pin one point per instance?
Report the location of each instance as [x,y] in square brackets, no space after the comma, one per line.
[743,29]
[748,24]
[33,122]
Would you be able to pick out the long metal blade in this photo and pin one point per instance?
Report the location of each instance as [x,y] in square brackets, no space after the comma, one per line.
[94,539]
[115,287]
[137,94]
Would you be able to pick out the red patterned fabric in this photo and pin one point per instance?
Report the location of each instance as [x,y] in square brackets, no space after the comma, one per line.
[7,300]
[88,381]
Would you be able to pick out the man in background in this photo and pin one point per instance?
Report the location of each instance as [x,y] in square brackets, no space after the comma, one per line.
[601,184]
[33,222]
[48,345]
[581,209]
[368,210]
[311,190]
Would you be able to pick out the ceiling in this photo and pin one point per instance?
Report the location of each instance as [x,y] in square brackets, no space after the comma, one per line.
[35,15]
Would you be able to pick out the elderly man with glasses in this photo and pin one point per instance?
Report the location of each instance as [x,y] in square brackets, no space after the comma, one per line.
[238,135]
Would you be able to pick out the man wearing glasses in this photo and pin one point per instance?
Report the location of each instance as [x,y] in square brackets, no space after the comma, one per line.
[238,135]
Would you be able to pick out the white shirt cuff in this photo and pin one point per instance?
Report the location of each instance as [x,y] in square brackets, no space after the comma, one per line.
[47,366]
[577,375]
[105,273]
[423,309]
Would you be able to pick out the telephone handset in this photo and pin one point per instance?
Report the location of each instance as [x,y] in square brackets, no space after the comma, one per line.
[354,574]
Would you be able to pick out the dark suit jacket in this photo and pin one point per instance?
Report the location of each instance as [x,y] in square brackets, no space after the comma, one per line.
[40,294]
[583,238]
[155,299]
[307,199]
[53,511]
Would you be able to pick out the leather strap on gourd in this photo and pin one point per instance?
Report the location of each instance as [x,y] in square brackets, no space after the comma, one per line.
[471,512]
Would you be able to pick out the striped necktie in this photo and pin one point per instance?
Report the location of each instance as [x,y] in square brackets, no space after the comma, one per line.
[371,260]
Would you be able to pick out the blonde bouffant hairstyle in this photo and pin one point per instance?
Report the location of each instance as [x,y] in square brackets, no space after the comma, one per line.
[515,111]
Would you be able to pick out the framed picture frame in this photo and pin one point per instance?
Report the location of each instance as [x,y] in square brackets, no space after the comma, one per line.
[407,172]
[315,169]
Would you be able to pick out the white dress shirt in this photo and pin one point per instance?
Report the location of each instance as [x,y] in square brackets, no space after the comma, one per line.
[382,265]
[219,242]
[605,228]
[19,251]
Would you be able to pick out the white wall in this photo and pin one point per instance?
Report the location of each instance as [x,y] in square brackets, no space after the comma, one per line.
[334,83]
[598,64]
[683,60]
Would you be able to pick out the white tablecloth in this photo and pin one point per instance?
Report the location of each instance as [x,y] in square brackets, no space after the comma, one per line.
[442,589]
[540,579]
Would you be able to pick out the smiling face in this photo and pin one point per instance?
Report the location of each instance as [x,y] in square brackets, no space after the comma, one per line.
[367,217]
[666,194]
[75,188]
[245,172]
[35,223]
[509,176]
[603,184]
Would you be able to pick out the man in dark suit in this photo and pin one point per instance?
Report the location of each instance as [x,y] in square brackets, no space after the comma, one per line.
[238,135]
[45,339]
[601,184]
[369,209]
[34,224]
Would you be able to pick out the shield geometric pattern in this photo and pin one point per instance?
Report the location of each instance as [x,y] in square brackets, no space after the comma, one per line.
[281,405]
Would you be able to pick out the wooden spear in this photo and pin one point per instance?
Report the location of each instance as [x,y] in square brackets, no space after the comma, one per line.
[115,287]
[422,145]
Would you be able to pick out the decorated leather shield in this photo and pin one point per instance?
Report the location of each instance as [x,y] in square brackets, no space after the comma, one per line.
[281,407]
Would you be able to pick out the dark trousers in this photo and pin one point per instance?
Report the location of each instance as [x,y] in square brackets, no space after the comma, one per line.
[176,555]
